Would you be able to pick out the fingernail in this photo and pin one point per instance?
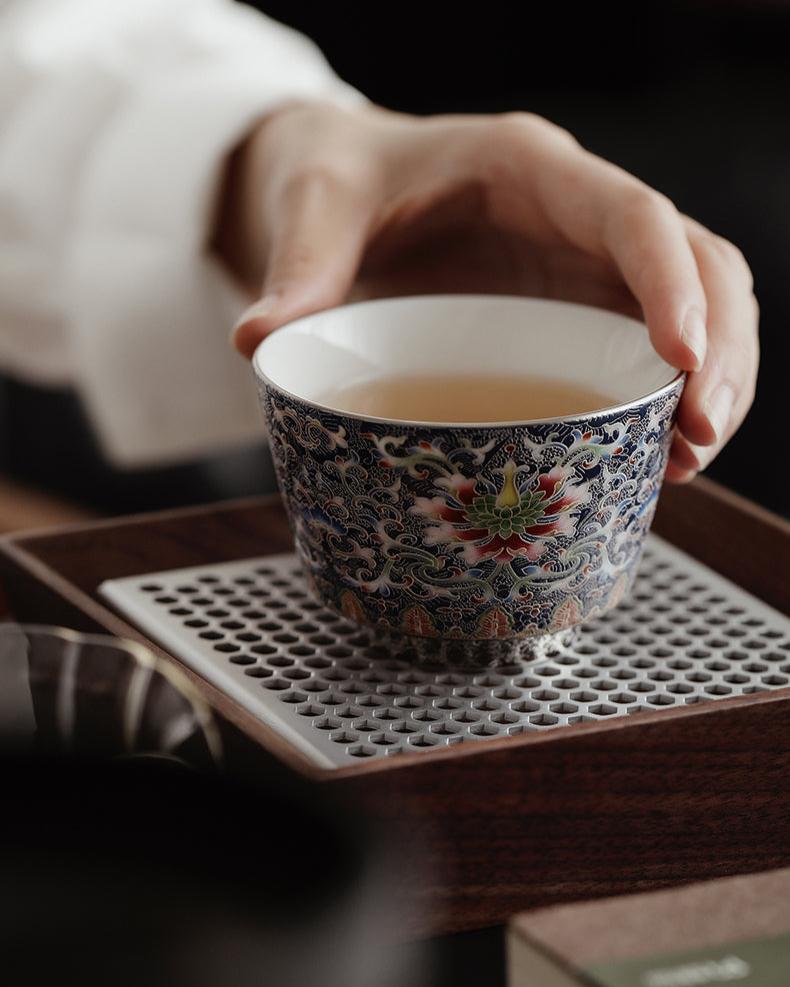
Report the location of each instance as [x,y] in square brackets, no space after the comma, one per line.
[703,456]
[695,336]
[681,476]
[258,310]
[717,408]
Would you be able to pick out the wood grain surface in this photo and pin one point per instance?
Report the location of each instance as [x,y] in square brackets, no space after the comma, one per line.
[23,508]
[483,831]
[736,537]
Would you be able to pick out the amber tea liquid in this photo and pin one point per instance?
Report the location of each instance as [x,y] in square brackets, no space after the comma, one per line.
[465,398]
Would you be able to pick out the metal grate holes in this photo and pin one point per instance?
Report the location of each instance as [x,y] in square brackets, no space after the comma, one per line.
[683,636]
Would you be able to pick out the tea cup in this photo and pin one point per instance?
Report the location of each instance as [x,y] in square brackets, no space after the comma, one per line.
[482,539]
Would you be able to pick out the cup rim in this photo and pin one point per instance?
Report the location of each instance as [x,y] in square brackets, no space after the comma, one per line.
[604,412]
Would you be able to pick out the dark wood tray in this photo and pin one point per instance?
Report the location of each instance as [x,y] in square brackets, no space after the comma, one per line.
[486,830]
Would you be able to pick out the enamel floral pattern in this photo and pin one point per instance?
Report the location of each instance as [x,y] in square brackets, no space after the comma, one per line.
[483,533]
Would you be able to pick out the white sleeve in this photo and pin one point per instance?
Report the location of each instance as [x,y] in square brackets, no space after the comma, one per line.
[116,117]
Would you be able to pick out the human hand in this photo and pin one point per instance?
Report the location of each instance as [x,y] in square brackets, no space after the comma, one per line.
[324,205]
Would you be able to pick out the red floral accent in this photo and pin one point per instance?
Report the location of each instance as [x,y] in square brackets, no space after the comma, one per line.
[417,620]
[494,623]
[513,524]
[352,608]
[566,614]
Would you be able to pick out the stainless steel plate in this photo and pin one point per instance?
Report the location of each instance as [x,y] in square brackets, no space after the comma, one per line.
[685,635]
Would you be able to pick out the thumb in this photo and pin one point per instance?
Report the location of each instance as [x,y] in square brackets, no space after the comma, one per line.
[319,233]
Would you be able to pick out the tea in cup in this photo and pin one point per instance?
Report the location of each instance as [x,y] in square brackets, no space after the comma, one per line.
[477,469]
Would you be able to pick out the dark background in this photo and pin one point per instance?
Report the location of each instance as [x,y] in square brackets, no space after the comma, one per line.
[692,97]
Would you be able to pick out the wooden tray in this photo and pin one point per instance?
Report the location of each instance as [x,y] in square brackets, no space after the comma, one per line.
[485,830]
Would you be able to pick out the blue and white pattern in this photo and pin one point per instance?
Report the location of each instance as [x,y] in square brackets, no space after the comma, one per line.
[463,532]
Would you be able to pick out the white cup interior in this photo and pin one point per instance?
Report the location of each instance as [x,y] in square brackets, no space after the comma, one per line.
[435,335]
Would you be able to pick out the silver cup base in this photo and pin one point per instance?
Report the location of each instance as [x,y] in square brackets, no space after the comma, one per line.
[465,655]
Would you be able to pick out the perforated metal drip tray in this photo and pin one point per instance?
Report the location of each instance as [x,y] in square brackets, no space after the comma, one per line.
[252,629]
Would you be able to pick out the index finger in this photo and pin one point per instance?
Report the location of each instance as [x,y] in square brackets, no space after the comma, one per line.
[603,210]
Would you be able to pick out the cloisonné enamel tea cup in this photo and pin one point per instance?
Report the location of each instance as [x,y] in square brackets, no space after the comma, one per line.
[489,535]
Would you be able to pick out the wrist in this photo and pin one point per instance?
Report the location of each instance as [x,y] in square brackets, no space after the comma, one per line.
[231,238]
[238,234]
